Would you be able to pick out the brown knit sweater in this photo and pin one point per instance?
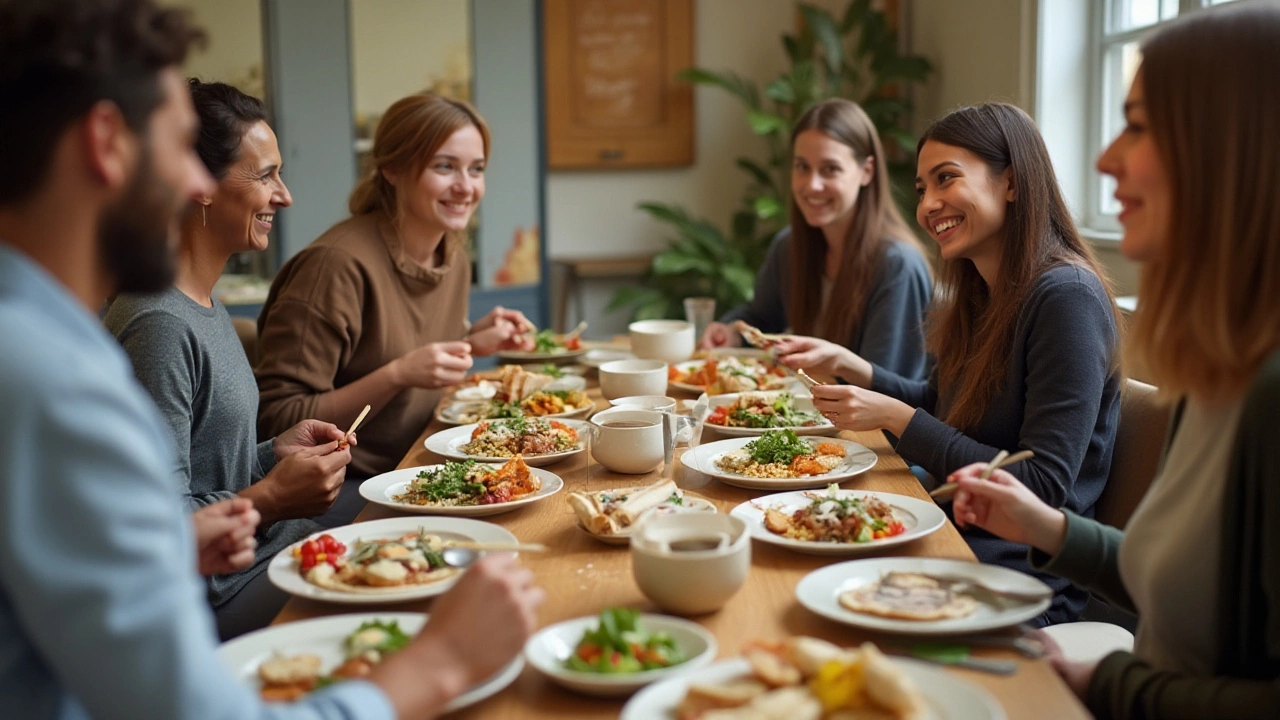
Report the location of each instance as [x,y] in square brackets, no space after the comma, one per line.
[345,306]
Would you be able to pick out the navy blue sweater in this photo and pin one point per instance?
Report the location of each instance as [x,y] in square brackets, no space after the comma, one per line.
[1060,398]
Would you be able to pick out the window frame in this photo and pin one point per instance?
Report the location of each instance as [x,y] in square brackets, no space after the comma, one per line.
[1103,40]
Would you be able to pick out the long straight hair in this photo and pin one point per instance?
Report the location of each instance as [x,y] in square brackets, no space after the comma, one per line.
[1209,313]
[876,221]
[409,134]
[970,328]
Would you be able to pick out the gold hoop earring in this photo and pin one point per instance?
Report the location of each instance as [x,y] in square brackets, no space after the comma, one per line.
[204,216]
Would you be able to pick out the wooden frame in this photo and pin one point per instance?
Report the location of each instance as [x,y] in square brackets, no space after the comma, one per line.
[612,98]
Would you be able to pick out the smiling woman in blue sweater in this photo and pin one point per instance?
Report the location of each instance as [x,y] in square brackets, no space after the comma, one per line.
[1024,334]
[847,269]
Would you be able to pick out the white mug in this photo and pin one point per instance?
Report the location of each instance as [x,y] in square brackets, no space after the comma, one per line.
[691,563]
[629,441]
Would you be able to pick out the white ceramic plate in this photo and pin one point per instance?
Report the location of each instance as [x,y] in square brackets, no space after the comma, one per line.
[801,402]
[449,414]
[690,365]
[283,568]
[526,356]
[820,591]
[947,697]
[918,517]
[448,443]
[323,637]
[857,459]
[551,646]
[691,504]
[382,490]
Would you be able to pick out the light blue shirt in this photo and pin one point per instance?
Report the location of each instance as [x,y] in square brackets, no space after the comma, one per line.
[101,611]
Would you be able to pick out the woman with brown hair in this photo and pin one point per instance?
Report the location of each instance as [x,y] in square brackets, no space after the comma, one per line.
[845,233]
[375,310]
[1024,334]
[1196,178]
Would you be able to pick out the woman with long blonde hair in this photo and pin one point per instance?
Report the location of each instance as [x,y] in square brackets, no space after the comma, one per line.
[1024,333]
[1196,178]
[375,310]
[847,269]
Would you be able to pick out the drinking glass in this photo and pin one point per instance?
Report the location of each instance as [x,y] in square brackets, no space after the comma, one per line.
[700,312]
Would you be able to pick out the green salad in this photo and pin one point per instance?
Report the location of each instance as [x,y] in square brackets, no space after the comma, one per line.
[620,645]
[778,446]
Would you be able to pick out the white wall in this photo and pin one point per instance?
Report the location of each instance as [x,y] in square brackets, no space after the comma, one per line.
[234,51]
[593,214]
[400,47]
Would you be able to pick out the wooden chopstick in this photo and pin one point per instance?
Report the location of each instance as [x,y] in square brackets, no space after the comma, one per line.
[497,547]
[1001,459]
[359,419]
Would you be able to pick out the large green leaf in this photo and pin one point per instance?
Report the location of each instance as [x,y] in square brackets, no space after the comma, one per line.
[854,15]
[760,174]
[674,263]
[764,123]
[895,68]
[743,88]
[767,207]
[781,91]
[827,34]
[741,278]
[905,140]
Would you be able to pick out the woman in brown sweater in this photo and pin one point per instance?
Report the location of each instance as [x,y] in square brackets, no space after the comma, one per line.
[375,310]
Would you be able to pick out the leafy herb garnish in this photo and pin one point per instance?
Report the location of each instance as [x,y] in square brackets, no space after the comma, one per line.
[449,481]
[777,446]
[544,341]
[552,370]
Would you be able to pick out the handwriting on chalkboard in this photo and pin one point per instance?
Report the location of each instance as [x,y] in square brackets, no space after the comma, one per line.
[618,56]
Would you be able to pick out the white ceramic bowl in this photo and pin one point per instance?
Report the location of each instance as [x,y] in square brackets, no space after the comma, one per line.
[622,378]
[667,340]
[691,582]
[550,647]
[661,403]
[631,450]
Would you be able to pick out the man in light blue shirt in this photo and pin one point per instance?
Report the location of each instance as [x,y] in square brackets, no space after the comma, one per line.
[101,611]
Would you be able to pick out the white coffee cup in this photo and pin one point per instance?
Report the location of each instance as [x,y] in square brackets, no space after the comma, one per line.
[667,340]
[661,403]
[629,441]
[622,378]
[691,563]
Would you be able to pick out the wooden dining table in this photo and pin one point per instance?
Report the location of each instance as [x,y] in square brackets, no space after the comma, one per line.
[582,576]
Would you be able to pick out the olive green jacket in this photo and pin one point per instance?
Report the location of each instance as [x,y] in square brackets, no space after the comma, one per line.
[1246,684]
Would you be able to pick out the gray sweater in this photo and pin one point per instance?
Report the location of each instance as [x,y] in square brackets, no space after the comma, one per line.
[891,333]
[1060,398]
[190,360]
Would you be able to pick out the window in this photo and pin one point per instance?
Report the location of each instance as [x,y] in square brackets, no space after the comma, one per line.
[1119,29]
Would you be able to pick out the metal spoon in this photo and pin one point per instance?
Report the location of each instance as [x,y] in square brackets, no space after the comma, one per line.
[460,557]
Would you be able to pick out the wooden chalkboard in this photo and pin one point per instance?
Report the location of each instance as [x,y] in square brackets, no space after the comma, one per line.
[612,96]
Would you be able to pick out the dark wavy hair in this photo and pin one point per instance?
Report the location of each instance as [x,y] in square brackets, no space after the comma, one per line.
[58,58]
[226,114]
[971,326]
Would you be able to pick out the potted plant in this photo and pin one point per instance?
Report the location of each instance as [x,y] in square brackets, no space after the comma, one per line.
[855,57]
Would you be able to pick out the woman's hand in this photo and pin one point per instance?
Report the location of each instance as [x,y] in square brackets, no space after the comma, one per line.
[815,355]
[306,434]
[1077,675]
[501,329]
[303,484]
[434,365]
[224,536]
[1003,506]
[852,408]
[718,335]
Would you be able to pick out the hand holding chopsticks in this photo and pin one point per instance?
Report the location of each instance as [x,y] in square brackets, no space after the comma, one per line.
[1000,460]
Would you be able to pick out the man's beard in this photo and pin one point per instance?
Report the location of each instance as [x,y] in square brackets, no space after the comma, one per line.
[134,233]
